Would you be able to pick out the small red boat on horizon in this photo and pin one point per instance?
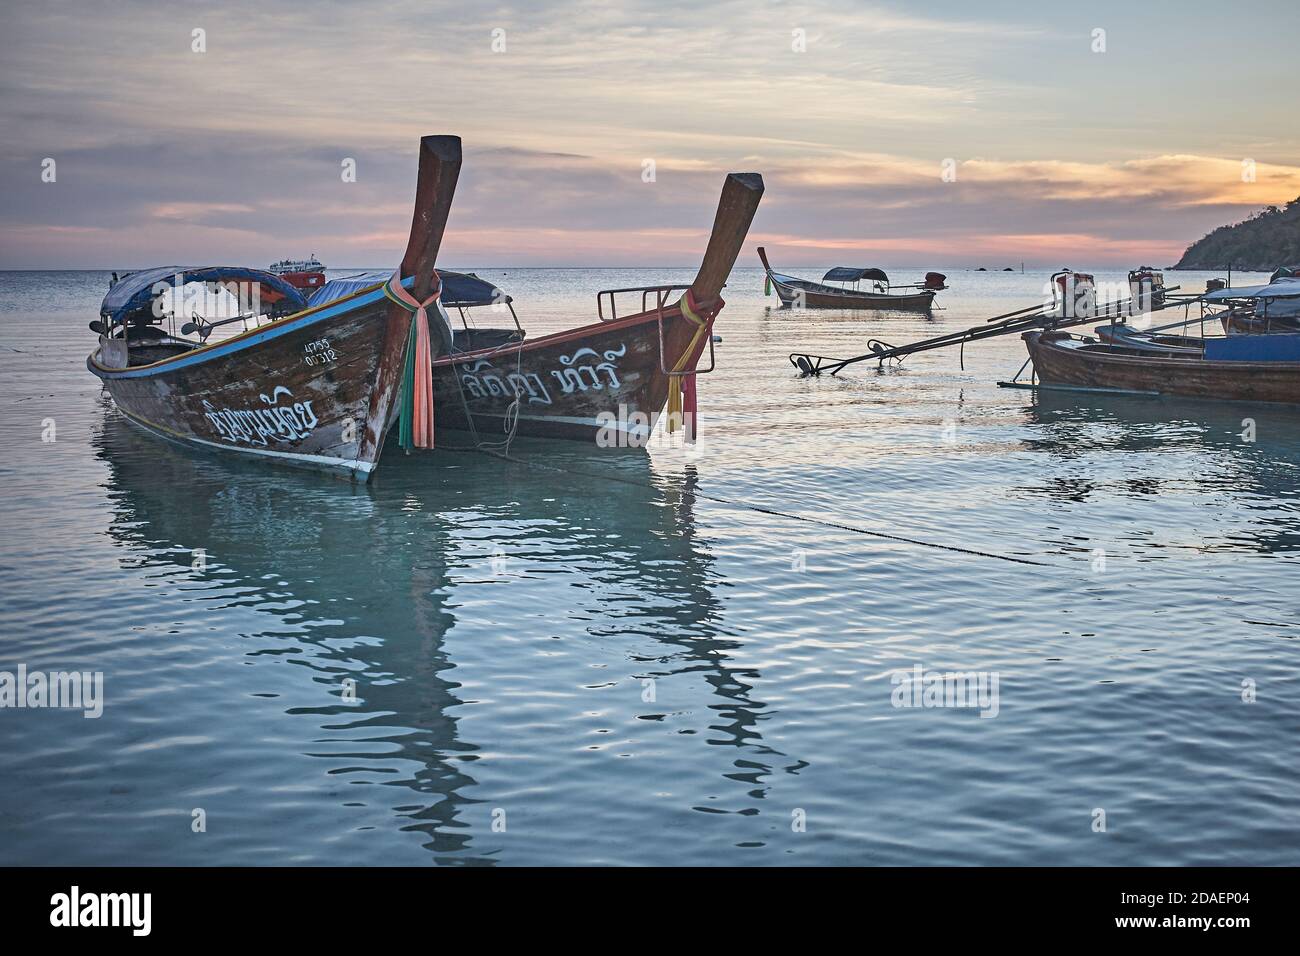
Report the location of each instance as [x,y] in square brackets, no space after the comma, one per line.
[306,273]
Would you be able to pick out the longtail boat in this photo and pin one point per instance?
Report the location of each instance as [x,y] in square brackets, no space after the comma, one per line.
[609,380]
[314,386]
[805,293]
[1257,368]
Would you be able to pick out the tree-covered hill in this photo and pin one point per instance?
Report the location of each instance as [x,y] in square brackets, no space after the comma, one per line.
[1266,240]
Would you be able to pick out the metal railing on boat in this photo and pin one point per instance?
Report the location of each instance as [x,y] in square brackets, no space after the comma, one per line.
[661,297]
[662,293]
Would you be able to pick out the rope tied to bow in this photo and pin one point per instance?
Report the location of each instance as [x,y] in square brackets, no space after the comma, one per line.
[682,397]
[415,408]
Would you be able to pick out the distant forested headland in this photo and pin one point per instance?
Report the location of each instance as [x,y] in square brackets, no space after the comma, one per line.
[1266,240]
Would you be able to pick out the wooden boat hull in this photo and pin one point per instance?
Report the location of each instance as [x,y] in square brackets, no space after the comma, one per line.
[1057,362]
[600,381]
[307,281]
[314,390]
[806,294]
[829,298]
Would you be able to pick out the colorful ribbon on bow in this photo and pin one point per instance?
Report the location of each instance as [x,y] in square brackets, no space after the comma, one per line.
[682,398]
[415,428]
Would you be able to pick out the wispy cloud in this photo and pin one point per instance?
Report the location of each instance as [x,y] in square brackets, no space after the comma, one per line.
[849,109]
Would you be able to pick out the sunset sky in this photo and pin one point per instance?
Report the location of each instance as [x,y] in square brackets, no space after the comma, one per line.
[1061,154]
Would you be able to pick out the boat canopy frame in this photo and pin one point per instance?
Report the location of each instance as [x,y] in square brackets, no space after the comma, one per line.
[855,275]
[1281,288]
[131,299]
[461,291]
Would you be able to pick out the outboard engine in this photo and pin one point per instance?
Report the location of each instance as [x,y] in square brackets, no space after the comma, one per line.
[1074,294]
[1146,287]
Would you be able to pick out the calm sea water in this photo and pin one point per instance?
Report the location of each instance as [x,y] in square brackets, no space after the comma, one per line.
[608,657]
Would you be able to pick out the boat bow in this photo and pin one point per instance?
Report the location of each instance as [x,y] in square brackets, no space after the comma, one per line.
[315,388]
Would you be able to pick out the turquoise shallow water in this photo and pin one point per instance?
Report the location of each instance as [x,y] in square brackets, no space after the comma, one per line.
[603,657]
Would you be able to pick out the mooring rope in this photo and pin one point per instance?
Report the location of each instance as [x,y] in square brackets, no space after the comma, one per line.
[760,509]
[510,423]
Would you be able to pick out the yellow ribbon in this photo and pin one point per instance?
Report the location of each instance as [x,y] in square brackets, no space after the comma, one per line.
[688,358]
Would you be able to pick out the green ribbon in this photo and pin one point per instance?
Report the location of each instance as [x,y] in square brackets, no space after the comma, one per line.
[406,398]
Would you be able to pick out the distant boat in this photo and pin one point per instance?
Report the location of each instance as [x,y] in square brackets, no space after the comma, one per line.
[300,273]
[805,293]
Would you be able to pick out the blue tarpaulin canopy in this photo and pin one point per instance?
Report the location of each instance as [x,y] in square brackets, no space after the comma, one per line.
[1280,289]
[131,298]
[851,274]
[458,288]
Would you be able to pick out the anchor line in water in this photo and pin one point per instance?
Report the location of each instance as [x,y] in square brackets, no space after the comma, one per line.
[760,509]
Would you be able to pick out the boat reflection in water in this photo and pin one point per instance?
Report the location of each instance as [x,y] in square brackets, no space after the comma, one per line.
[433,589]
[1211,453]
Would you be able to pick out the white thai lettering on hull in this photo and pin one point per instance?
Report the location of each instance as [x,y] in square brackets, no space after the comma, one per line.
[484,380]
[577,376]
[258,426]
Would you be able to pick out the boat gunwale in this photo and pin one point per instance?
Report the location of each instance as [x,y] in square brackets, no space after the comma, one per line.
[553,338]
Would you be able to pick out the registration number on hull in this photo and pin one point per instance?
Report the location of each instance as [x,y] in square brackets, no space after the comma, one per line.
[319,352]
